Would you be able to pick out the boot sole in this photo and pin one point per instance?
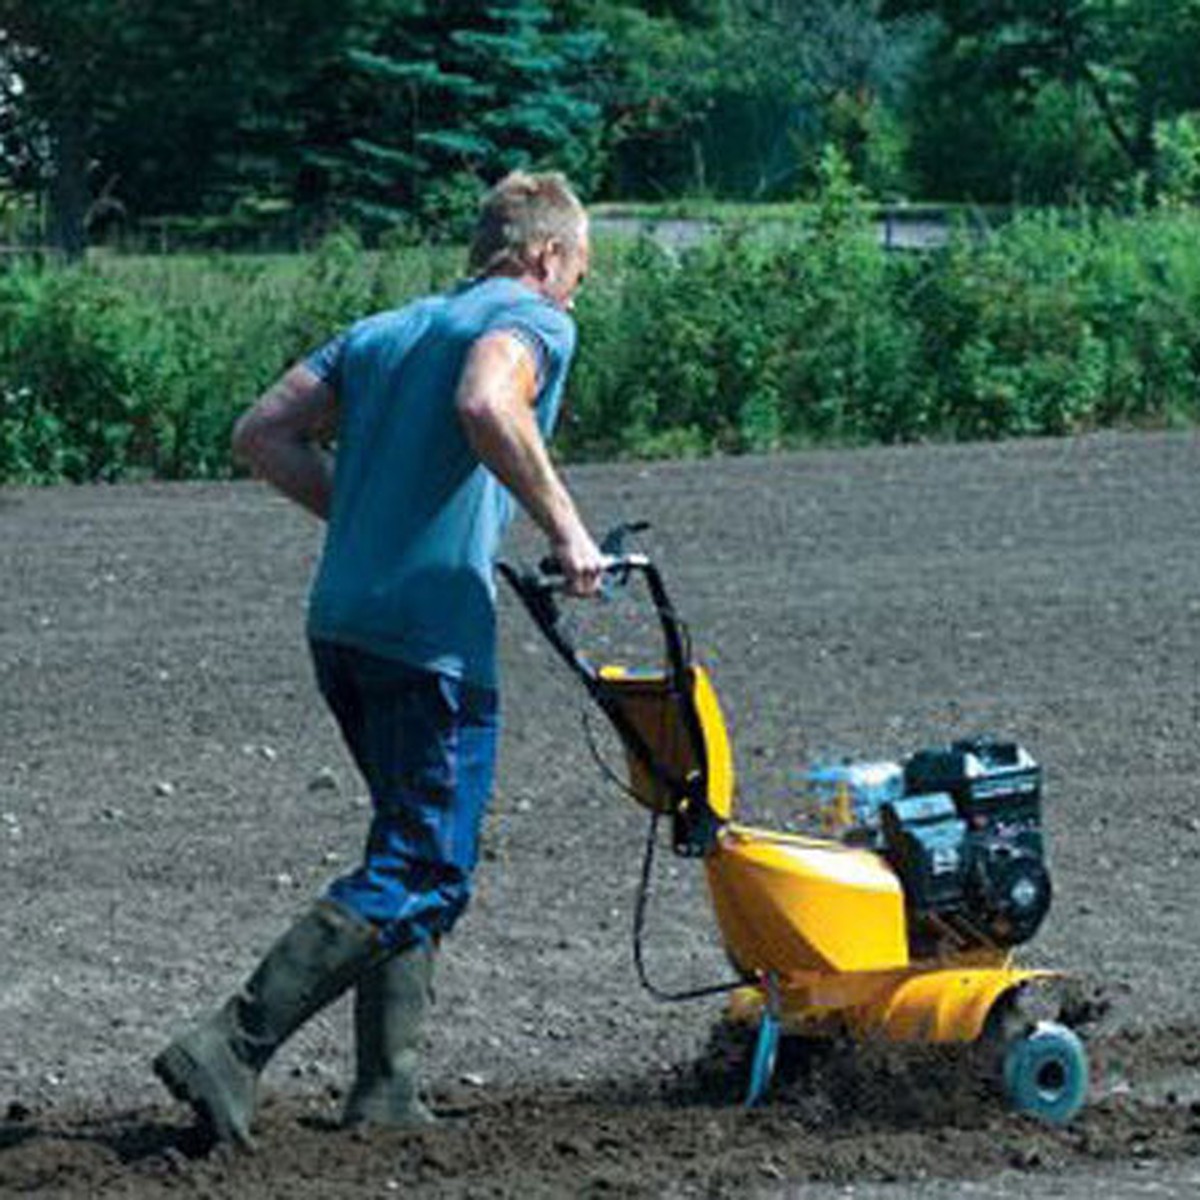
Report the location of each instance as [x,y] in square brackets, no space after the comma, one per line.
[189,1082]
[416,1118]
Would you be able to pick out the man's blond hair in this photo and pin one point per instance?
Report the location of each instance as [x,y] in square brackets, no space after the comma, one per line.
[522,212]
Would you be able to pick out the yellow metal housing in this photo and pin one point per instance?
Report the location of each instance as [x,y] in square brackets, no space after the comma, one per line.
[827,922]
[929,1002]
[947,1005]
[647,702]
[790,904]
[824,921]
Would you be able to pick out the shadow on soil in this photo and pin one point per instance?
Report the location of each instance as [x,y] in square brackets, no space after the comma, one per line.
[836,1115]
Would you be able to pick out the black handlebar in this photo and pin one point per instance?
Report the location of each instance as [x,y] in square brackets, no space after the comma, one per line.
[538,590]
[612,546]
[550,577]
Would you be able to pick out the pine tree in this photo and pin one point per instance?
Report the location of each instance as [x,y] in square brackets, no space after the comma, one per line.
[438,97]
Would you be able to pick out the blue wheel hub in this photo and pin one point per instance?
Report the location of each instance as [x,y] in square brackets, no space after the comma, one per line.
[1046,1073]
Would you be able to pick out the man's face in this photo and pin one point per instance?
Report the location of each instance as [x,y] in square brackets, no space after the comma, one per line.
[566,267]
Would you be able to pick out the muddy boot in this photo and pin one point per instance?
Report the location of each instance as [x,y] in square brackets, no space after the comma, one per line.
[389,1009]
[214,1067]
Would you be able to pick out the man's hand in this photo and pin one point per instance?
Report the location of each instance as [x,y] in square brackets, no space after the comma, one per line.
[495,402]
[581,561]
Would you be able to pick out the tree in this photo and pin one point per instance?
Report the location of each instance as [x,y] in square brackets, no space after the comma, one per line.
[433,97]
[1118,66]
[820,72]
[738,99]
[657,78]
[53,50]
[150,106]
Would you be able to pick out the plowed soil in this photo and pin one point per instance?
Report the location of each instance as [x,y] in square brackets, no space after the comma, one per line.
[172,793]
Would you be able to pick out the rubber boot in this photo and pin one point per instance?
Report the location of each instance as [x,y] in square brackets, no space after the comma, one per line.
[389,1010]
[214,1067]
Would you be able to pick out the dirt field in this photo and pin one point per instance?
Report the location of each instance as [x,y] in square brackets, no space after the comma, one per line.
[172,793]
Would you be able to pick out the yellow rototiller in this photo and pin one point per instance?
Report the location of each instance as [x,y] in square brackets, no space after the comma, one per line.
[897,924]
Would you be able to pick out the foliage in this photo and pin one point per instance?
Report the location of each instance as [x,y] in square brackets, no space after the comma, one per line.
[428,101]
[656,78]
[121,109]
[737,100]
[1177,149]
[86,378]
[1059,100]
[748,343]
[752,341]
[237,123]
[1017,352]
[820,71]
[1056,323]
[273,115]
[1066,322]
[128,368]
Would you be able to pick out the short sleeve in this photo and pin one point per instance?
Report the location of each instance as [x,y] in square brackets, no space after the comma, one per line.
[536,346]
[547,332]
[326,361]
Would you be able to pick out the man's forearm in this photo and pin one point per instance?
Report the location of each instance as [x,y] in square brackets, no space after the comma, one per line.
[300,470]
[495,403]
[280,439]
[509,444]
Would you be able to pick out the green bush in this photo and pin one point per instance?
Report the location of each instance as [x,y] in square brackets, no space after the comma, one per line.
[1015,351]
[87,375]
[751,341]
[32,446]
[1064,322]
[138,367]
[1143,298]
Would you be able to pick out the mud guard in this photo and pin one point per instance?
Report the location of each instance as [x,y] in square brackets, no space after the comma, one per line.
[937,1006]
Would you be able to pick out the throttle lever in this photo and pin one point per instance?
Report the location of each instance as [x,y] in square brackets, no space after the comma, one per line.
[613,542]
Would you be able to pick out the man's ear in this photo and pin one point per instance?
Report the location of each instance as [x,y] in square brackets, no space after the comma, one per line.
[539,259]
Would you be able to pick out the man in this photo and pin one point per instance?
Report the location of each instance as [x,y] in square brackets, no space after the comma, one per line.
[440,410]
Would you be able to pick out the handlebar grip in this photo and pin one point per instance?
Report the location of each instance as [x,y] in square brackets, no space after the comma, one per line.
[550,567]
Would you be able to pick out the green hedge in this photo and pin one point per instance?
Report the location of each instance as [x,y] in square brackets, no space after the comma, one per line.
[137,367]
[1059,322]
[1056,323]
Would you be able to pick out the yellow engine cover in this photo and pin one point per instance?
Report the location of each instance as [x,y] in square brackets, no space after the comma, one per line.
[789,904]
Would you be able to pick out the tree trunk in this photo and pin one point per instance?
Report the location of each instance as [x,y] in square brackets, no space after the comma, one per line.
[1147,150]
[68,183]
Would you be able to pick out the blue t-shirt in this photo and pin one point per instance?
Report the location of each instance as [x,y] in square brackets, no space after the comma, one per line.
[416,519]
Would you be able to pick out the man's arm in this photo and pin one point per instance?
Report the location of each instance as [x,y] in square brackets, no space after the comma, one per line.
[495,403]
[280,438]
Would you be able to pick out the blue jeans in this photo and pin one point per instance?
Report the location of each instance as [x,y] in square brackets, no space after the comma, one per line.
[426,746]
